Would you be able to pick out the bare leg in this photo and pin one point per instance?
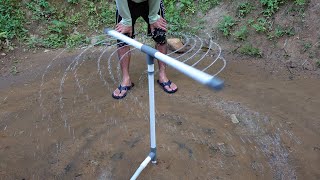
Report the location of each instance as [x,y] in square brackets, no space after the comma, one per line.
[162,68]
[124,63]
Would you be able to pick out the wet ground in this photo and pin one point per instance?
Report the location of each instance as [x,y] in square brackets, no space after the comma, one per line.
[59,121]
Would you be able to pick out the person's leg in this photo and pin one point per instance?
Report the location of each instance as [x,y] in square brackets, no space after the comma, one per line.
[124,64]
[124,55]
[162,69]
[159,36]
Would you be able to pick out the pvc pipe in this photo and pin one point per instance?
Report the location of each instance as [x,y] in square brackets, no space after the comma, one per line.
[192,72]
[142,166]
[201,77]
[123,38]
[150,62]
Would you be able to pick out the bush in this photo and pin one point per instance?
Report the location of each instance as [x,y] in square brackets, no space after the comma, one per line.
[12,19]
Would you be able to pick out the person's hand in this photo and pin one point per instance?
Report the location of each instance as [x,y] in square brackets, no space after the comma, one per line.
[160,23]
[124,29]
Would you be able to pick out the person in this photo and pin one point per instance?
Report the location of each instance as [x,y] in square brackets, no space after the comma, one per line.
[153,12]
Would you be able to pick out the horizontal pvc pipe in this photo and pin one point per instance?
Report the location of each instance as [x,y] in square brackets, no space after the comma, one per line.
[201,77]
[192,72]
[123,38]
[142,166]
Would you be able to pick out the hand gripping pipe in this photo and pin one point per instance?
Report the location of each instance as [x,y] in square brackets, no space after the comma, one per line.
[193,73]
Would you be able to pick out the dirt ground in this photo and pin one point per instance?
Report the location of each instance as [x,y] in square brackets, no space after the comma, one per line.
[59,121]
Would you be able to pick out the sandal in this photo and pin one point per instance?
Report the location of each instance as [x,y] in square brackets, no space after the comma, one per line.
[168,83]
[123,88]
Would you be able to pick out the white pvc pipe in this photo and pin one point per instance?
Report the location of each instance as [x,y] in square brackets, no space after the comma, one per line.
[141,167]
[193,73]
[152,105]
[124,38]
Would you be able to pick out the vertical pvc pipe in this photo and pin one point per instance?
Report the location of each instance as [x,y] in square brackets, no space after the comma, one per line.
[153,145]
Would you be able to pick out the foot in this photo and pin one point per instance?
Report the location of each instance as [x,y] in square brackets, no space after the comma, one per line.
[168,86]
[121,91]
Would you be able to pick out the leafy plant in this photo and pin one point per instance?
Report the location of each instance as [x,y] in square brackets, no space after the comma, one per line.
[34,41]
[300,2]
[271,6]
[12,19]
[248,49]
[241,34]
[306,46]
[261,25]
[57,26]
[205,5]
[73,1]
[244,9]
[41,9]
[226,25]
[318,63]
[74,19]
[76,39]
[54,41]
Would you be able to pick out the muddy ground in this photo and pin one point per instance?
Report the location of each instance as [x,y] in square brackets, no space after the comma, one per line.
[59,121]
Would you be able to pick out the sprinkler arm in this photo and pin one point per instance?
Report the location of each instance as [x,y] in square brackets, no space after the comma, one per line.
[199,76]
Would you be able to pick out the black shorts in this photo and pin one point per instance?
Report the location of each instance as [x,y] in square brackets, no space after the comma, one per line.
[142,10]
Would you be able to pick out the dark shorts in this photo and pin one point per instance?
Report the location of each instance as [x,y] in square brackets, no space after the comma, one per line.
[142,10]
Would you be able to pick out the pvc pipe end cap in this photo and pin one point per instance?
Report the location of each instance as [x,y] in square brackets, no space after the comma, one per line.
[216,84]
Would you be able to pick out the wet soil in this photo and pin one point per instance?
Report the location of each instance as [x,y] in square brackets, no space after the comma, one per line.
[59,121]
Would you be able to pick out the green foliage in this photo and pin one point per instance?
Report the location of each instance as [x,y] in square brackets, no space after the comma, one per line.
[281,31]
[300,2]
[41,9]
[73,1]
[226,24]
[318,63]
[180,12]
[244,9]
[261,25]
[249,50]
[57,26]
[76,39]
[206,5]
[34,41]
[271,6]
[241,34]
[12,19]
[176,13]
[74,19]
[306,46]
[54,41]
[56,34]
[98,14]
